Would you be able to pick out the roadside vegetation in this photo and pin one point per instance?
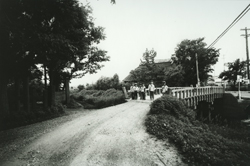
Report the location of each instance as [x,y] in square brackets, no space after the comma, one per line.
[105,92]
[95,99]
[22,117]
[36,112]
[50,42]
[87,99]
[224,142]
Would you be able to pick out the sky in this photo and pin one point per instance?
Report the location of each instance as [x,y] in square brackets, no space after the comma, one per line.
[132,26]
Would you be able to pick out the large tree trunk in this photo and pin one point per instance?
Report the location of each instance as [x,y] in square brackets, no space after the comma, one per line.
[17,94]
[52,95]
[4,52]
[67,90]
[33,99]
[4,104]
[45,92]
[26,94]
[51,88]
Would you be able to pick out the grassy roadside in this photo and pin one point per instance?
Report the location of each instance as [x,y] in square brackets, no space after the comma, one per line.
[96,99]
[88,99]
[199,143]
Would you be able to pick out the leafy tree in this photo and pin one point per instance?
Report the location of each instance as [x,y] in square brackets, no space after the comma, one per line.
[11,50]
[147,70]
[90,86]
[175,76]
[234,68]
[148,58]
[105,83]
[80,87]
[140,74]
[115,82]
[185,56]
[67,34]
[60,35]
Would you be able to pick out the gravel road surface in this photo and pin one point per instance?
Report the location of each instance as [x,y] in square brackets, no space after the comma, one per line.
[113,136]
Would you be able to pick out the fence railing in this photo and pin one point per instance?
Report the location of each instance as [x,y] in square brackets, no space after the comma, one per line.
[193,95]
[197,91]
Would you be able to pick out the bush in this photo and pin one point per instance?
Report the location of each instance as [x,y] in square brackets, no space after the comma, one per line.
[91,99]
[80,87]
[171,106]
[16,119]
[199,143]
[73,104]
[105,83]
[57,109]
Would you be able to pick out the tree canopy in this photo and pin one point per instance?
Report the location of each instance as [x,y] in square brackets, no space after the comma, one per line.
[105,83]
[174,76]
[234,68]
[59,35]
[184,60]
[147,70]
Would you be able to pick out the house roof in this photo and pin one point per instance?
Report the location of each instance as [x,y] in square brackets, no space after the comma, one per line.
[162,60]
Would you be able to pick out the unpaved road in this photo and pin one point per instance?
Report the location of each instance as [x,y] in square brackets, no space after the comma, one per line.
[114,136]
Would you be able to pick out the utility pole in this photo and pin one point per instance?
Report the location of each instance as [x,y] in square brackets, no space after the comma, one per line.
[197,70]
[246,36]
[45,93]
[223,62]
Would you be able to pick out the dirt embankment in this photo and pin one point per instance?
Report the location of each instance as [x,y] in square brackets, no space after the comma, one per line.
[114,136]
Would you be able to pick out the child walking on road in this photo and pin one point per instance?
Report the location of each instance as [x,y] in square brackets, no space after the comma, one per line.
[164,88]
[151,89]
[143,91]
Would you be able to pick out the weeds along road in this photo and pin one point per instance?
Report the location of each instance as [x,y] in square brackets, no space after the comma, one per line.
[114,136]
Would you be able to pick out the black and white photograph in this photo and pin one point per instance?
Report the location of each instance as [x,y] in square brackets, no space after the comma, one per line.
[124,83]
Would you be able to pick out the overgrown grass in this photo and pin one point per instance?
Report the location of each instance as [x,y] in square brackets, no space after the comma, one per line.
[199,143]
[90,99]
[22,117]
[95,99]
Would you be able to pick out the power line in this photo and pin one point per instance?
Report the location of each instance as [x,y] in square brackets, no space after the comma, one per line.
[230,26]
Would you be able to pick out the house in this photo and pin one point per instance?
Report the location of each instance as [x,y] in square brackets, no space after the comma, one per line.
[164,64]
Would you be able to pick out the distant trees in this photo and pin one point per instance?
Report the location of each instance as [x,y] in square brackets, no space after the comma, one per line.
[60,36]
[234,68]
[175,76]
[147,70]
[140,74]
[115,82]
[182,71]
[184,61]
[80,87]
[105,83]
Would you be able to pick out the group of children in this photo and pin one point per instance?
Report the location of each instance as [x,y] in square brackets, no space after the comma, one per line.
[140,90]
[136,90]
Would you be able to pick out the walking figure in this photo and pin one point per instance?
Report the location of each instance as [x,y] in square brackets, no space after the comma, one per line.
[132,91]
[164,88]
[143,91]
[136,90]
[151,89]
